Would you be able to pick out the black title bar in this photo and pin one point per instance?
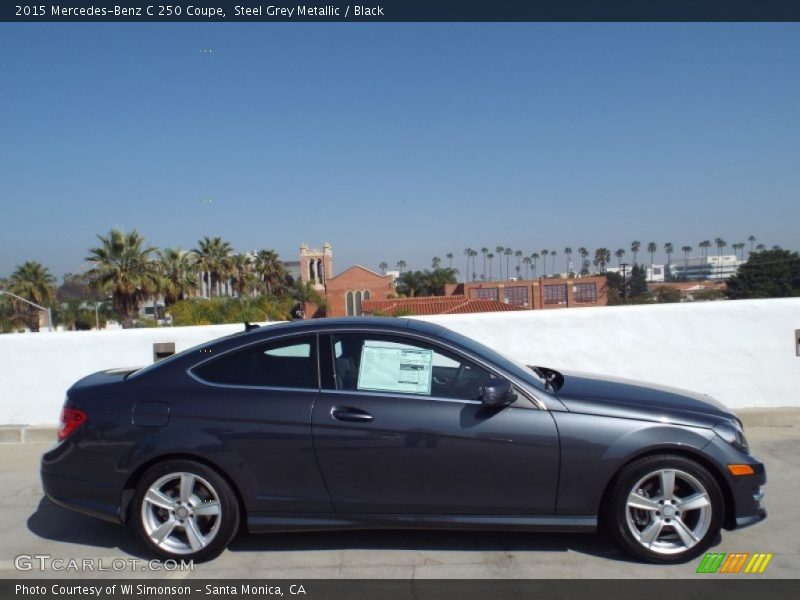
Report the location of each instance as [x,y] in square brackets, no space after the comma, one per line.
[383,11]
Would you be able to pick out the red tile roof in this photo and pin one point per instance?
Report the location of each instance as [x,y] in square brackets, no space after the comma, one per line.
[435,305]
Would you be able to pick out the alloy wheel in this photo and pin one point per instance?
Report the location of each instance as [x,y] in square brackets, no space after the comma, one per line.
[181,513]
[668,511]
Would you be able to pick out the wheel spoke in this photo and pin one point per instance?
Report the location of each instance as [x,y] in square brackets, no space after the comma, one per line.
[694,501]
[650,533]
[159,499]
[636,500]
[196,539]
[164,530]
[187,486]
[667,483]
[687,535]
[207,509]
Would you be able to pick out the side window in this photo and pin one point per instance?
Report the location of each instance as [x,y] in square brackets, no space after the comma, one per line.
[283,363]
[367,363]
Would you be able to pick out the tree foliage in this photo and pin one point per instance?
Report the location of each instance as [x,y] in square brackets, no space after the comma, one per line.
[767,274]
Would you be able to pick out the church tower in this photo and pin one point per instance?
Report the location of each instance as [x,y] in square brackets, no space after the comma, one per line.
[316,266]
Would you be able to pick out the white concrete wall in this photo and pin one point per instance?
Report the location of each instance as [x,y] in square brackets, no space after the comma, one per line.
[741,352]
[37,368]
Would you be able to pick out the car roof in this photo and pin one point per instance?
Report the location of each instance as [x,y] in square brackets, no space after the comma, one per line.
[334,323]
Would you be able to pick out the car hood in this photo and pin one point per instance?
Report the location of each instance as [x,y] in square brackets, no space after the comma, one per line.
[613,397]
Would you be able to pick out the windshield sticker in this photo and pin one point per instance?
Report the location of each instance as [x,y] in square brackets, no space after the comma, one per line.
[387,369]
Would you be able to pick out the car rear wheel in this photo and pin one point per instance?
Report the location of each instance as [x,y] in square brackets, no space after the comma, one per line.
[665,509]
[185,510]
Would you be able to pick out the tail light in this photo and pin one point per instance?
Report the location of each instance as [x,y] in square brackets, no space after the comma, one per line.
[71,419]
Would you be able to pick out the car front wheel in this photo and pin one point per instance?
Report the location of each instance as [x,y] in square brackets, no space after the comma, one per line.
[665,509]
[185,510]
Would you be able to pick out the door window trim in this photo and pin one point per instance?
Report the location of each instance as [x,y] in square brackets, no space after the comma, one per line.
[520,387]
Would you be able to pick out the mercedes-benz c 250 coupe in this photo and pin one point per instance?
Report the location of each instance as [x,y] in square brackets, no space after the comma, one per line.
[394,423]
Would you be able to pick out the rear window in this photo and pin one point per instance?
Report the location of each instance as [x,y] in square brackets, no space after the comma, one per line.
[290,363]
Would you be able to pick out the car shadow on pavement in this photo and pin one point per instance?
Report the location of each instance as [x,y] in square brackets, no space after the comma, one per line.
[52,522]
[58,524]
[592,544]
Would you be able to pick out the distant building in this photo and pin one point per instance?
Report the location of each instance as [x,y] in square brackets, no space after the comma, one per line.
[345,292]
[699,269]
[535,294]
[691,289]
[434,305]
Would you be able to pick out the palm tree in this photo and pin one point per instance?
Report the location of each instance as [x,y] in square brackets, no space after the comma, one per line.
[553,254]
[449,257]
[485,252]
[508,252]
[177,270]
[752,240]
[122,267]
[271,271]
[720,244]
[619,254]
[738,246]
[704,246]
[490,256]
[34,282]
[499,250]
[214,261]
[436,263]
[383,266]
[545,253]
[243,280]
[518,255]
[304,294]
[602,256]
[568,255]
[527,261]
[686,250]
[473,254]
[635,246]
[760,247]
[652,247]
[669,249]
[468,254]
[584,254]
[535,257]
[401,264]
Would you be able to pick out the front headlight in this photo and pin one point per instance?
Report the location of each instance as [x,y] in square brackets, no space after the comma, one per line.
[732,434]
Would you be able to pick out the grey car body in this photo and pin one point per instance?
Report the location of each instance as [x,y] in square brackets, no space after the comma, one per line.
[332,455]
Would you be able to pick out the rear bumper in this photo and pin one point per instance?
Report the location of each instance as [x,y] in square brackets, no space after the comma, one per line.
[64,482]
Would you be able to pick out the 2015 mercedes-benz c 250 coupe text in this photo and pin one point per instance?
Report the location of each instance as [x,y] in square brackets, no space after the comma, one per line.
[394,423]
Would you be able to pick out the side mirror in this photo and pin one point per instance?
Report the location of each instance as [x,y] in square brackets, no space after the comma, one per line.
[499,392]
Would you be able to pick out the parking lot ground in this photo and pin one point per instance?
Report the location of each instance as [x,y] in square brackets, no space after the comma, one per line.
[29,525]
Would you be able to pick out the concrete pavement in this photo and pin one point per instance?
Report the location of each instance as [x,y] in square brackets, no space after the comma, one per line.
[30,525]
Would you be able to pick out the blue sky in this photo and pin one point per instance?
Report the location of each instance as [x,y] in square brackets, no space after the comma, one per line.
[397,141]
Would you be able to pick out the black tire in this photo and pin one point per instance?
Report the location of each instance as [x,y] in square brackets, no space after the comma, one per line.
[620,520]
[207,489]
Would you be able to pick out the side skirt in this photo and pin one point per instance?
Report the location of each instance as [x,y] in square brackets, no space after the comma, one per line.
[263,522]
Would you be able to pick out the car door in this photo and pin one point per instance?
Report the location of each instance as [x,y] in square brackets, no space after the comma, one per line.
[257,401]
[399,428]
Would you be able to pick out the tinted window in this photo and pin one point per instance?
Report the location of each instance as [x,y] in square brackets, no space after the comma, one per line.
[364,362]
[284,363]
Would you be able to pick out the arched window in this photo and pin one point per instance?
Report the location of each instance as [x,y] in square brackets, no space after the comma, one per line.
[350,306]
[366,295]
[358,303]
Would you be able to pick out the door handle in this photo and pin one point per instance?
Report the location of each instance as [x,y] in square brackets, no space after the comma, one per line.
[346,413]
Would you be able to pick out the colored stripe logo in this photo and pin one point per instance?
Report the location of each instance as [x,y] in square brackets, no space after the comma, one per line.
[734,563]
